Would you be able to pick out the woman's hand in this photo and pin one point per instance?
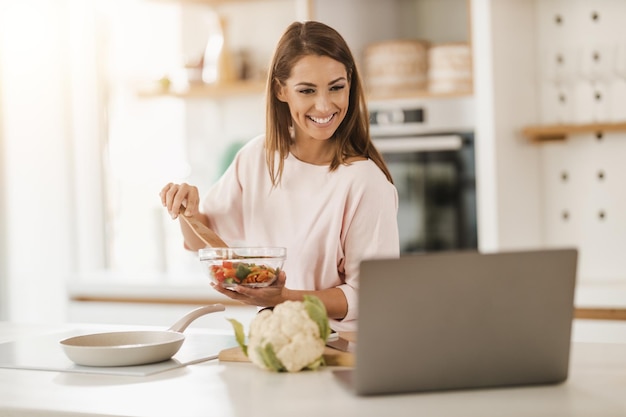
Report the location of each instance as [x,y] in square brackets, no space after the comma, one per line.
[262,297]
[333,298]
[175,195]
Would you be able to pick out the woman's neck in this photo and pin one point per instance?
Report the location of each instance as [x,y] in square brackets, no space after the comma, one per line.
[311,151]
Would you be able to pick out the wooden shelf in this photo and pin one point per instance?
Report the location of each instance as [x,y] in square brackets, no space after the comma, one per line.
[545,133]
[215,91]
[600,313]
[239,88]
[207,2]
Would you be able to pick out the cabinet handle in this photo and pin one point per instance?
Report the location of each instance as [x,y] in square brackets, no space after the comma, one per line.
[419,144]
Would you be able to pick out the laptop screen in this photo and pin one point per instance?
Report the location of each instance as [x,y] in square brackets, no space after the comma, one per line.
[463,320]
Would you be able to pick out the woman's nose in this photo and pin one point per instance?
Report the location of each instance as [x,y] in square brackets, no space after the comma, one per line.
[322,102]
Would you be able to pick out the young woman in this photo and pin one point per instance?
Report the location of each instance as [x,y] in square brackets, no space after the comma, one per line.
[313,183]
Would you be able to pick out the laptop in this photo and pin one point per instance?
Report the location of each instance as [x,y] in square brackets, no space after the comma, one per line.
[463,320]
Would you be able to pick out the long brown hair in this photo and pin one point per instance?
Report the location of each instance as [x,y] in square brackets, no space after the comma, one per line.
[352,137]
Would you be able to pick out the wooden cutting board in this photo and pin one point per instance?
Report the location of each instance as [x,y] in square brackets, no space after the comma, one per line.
[333,357]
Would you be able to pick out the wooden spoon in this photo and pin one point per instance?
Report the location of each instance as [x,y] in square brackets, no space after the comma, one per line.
[208,236]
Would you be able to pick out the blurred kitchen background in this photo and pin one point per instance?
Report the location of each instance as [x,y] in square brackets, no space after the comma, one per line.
[503,122]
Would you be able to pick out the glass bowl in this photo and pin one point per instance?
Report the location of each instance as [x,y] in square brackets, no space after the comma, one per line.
[248,266]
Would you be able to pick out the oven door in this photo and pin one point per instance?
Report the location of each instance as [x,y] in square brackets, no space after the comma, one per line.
[435,179]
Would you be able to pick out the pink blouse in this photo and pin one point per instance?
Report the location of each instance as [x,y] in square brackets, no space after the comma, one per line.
[328,221]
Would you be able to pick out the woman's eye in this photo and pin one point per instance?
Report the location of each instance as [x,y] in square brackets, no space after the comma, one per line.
[337,87]
[307,91]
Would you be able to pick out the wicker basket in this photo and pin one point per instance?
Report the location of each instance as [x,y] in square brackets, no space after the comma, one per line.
[397,66]
[449,68]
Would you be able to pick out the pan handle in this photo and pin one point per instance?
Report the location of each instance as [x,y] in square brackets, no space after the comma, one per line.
[186,320]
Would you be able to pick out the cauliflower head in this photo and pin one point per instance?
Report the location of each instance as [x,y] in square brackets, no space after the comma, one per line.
[291,337]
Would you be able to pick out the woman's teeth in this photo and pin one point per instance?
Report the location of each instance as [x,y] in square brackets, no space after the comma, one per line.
[320,120]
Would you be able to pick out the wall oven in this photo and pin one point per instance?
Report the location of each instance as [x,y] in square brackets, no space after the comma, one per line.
[428,145]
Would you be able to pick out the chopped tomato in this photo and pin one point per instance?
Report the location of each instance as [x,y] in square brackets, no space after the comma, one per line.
[219,276]
[230,272]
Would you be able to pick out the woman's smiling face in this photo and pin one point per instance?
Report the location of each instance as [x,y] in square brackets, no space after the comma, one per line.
[317,92]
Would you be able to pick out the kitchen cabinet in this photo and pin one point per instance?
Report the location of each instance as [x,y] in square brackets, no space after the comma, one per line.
[361,22]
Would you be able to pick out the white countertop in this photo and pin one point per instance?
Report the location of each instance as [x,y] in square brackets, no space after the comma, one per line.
[595,388]
[588,293]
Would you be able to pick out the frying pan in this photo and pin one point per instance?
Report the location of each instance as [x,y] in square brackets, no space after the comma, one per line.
[125,348]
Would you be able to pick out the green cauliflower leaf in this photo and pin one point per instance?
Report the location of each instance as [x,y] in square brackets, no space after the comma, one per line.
[240,335]
[270,359]
[317,312]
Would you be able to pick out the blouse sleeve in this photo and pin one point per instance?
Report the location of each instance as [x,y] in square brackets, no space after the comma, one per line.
[371,232]
[223,204]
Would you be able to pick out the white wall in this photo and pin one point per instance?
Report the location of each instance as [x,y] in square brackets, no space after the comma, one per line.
[52,156]
[37,159]
[508,166]
[585,175]
[362,22]
[4,269]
